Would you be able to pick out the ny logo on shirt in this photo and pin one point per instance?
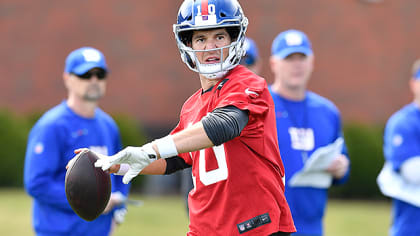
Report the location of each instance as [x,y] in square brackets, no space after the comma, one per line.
[302,138]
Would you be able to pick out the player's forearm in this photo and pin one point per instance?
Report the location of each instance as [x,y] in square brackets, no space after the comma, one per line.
[192,139]
[219,126]
[157,167]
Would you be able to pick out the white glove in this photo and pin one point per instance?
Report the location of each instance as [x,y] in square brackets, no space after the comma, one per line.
[136,157]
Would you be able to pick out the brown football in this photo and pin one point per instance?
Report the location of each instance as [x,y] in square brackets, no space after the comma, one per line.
[87,188]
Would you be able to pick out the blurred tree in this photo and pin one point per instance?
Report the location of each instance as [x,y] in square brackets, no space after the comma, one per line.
[13,135]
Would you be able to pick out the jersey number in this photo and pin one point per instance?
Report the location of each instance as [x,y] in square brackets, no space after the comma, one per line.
[211,9]
[219,174]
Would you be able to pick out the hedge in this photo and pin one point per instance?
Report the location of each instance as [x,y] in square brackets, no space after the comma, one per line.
[364,143]
[13,135]
[14,130]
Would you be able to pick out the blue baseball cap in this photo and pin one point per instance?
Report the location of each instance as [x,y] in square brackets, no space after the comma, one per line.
[84,59]
[291,41]
[251,55]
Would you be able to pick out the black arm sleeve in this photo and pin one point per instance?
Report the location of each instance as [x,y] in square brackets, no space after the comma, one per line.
[224,124]
[174,164]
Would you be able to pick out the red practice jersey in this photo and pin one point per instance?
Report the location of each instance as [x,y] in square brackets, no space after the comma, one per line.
[238,187]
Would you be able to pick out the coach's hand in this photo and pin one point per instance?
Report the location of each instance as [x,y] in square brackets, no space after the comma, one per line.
[116,199]
[119,215]
[136,157]
[339,166]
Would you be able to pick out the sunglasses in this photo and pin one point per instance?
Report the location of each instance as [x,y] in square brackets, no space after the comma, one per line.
[100,74]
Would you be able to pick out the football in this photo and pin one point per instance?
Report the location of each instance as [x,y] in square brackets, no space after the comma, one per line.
[87,188]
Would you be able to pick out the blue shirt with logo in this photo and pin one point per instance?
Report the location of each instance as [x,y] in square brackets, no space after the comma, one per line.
[401,142]
[51,143]
[302,127]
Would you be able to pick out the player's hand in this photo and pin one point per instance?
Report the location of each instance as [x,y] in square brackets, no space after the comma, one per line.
[136,157]
[112,169]
[339,166]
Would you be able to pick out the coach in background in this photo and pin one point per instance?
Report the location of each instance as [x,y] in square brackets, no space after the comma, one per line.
[400,176]
[309,133]
[75,123]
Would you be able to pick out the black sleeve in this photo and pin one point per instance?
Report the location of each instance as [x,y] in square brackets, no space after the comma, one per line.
[174,164]
[224,124]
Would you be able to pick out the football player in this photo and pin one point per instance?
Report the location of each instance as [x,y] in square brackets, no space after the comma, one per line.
[226,132]
[252,61]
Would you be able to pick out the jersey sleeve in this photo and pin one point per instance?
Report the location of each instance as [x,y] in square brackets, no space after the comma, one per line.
[42,163]
[249,94]
[246,94]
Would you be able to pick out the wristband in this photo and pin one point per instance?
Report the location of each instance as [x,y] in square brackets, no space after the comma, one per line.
[123,169]
[166,147]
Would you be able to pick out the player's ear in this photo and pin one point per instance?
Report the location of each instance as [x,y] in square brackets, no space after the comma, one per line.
[66,78]
[412,84]
[312,58]
[312,61]
[273,61]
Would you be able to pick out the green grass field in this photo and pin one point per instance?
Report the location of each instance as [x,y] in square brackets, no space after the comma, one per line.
[166,216]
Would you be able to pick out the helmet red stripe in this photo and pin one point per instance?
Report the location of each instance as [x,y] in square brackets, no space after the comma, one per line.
[205,7]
